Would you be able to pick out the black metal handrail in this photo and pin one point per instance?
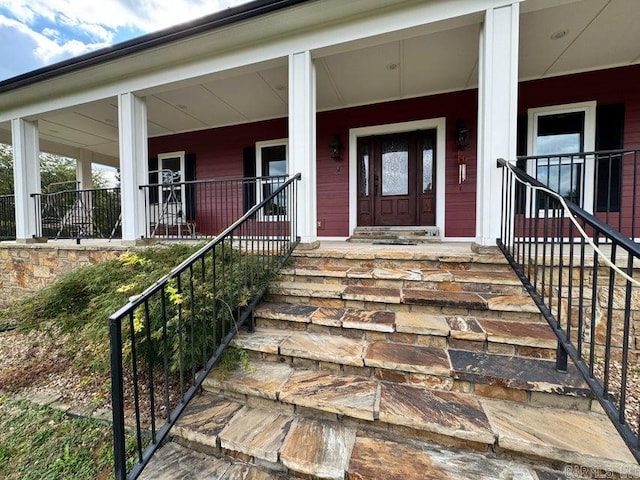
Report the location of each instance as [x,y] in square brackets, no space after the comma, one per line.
[171,335]
[603,182]
[583,276]
[7,217]
[89,213]
[201,209]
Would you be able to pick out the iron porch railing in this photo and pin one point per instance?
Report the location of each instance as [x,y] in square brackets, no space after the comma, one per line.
[604,183]
[165,341]
[201,209]
[584,277]
[91,213]
[7,217]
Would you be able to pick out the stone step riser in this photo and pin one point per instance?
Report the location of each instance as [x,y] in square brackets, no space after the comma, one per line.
[486,345]
[374,427]
[407,264]
[476,287]
[432,309]
[432,382]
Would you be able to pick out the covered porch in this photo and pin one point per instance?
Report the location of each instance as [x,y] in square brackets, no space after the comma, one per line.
[392,116]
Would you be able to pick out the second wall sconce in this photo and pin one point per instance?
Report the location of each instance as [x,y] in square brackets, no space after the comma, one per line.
[335,148]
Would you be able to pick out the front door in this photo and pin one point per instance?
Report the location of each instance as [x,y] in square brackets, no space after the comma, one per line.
[396,179]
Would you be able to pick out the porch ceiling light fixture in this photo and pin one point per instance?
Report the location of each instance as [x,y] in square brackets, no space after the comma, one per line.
[335,148]
[559,34]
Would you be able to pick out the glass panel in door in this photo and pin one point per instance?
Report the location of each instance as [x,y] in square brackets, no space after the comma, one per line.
[395,167]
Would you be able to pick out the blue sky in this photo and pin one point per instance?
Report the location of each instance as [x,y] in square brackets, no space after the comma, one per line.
[36,33]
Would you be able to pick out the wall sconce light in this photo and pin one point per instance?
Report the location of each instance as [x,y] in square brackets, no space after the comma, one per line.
[462,135]
[335,148]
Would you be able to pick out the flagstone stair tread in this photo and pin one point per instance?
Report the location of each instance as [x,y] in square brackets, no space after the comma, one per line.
[318,449]
[516,372]
[256,432]
[468,300]
[340,394]
[410,274]
[265,340]
[379,458]
[519,333]
[205,418]
[285,311]
[174,461]
[576,438]
[325,348]
[446,413]
[422,324]
[408,358]
[512,303]
[262,379]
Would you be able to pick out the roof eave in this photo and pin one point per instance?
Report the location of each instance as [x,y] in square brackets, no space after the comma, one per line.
[211,22]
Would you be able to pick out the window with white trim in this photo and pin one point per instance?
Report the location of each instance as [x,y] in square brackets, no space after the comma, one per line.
[560,134]
[171,174]
[272,161]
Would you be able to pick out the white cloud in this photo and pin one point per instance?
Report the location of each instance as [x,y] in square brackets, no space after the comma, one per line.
[47,31]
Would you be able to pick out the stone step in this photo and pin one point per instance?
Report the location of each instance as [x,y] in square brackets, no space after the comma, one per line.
[261,408]
[174,461]
[526,380]
[417,234]
[407,257]
[520,379]
[335,352]
[483,334]
[244,441]
[496,282]
[405,299]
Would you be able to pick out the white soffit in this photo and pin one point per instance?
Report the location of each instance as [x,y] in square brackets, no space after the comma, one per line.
[202,104]
[612,38]
[589,35]
[366,75]
[250,95]
[171,116]
[442,61]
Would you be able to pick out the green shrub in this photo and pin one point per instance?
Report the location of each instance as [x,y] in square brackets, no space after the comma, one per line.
[201,306]
[76,307]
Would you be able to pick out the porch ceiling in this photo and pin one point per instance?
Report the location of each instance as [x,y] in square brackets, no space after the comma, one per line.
[556,37]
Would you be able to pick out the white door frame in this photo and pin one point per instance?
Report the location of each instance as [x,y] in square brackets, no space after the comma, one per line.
[427,124]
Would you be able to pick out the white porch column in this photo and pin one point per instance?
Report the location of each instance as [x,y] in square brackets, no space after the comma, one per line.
[302,140]
[132,118]
[497,114]
[26,176]
[83,170]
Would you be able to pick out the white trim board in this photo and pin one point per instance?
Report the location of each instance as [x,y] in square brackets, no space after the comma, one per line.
[438,123]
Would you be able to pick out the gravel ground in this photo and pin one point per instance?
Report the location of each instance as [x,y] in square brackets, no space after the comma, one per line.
[32,366]
[632,400]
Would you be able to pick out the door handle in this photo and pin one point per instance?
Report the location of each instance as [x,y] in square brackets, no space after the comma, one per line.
[376,182]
